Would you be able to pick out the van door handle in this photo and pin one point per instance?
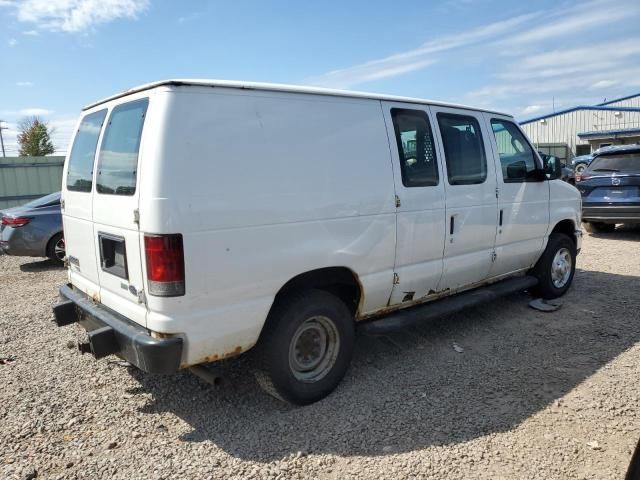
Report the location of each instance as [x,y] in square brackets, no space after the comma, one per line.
[501,215]
[452,225]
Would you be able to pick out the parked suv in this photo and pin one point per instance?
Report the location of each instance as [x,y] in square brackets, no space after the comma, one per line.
[204,219]
[610,188]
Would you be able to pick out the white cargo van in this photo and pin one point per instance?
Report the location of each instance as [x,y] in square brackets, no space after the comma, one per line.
[204,219]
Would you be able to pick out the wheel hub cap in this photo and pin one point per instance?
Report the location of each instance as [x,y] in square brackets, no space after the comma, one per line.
[561,268]
[59,249]
[314,349]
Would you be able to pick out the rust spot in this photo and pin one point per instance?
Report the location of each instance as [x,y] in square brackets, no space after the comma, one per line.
[233,353]
[214,357]
[95,296]
[408,296]
[161,335]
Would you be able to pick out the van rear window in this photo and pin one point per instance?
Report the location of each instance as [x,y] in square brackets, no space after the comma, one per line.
[83,152]
[622,162]
[118,160]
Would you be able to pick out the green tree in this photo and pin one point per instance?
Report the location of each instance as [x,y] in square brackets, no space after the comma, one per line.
[35,138]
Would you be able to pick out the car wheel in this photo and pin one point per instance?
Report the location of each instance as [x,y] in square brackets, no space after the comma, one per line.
[599,227]
[56,248]
[581,167]
[306,347]
[556,267]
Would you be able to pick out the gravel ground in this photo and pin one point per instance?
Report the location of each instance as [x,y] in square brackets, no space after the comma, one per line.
[531,395]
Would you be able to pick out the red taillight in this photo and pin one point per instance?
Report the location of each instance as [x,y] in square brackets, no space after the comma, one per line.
[580,178]
[165,264]
[15,221]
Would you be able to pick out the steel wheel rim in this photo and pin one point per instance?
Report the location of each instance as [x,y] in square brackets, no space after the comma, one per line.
[59,249]
[314,349]
[561,268]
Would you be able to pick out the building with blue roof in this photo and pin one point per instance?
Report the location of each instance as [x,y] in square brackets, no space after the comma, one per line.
[581,130]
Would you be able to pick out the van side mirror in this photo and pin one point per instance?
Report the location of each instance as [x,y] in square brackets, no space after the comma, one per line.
[551,167]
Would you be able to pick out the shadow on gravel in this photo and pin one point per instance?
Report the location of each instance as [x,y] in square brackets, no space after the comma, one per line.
[412,390]
[628,232]
[40,266]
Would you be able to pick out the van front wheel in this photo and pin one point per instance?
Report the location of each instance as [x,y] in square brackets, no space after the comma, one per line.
[306,347]
[556,267]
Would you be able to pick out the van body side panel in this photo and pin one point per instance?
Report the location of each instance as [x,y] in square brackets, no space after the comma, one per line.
[420,216]
[471,207]
[264,186]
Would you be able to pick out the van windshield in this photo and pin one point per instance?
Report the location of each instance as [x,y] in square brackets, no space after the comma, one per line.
[118,161]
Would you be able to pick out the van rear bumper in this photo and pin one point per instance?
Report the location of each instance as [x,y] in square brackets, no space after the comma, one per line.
[111,333]
[611,213]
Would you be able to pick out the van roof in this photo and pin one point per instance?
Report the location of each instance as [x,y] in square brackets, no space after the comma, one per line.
[284,88]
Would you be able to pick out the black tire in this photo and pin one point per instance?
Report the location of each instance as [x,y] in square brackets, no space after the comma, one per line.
[599,227]
[53,248]
[549,287]
[276,358]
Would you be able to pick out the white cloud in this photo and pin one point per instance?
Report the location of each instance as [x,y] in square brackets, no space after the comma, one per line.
[532,109]
[534,38]
[603,84]
[12,42]
[30,112]
[74,15]
[33,33]
[416,59]
[573,20]
[563,70]
[24,84]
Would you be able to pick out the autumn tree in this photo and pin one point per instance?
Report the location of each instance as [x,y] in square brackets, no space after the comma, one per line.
[35,138]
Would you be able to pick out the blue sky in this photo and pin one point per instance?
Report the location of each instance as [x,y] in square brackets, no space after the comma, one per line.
[520,57]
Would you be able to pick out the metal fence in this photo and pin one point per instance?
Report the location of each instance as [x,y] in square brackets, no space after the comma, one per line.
[25,178]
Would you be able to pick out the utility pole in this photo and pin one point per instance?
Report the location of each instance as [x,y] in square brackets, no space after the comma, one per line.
[1,139]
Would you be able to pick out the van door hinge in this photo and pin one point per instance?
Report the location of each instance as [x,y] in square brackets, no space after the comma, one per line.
[136,216]
[497,192]
[62,205]
[398,202]
[493,256]
[396,279]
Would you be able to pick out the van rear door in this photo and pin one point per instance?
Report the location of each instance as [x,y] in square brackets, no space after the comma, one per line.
[77,204]
[116,234]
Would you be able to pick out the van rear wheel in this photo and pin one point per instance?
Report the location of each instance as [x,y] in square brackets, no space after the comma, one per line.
[306,347]
[556,267]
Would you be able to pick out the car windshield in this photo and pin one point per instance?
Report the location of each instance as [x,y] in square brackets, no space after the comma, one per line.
[46,201]
[623,162]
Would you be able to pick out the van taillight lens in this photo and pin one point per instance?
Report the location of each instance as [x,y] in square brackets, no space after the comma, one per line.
[15,221]
[165,264]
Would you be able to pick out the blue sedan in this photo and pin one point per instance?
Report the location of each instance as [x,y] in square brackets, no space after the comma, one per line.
[33,229]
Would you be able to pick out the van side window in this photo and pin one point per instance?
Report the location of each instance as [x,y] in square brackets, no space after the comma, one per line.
[463,149]
[83,152]
[516,156]
[118,160]
[415,147]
